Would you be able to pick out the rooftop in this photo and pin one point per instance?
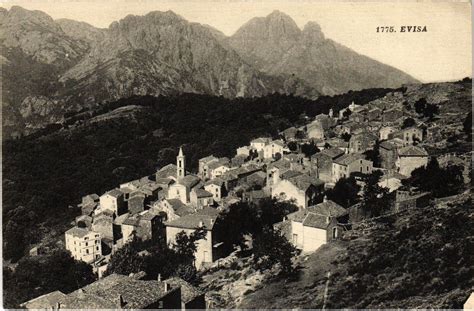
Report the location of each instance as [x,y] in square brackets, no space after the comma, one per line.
[201,193]
[188,292]
[412,151]
[104,293]
[193,221]
[78,232]
[348,158]
[45,301]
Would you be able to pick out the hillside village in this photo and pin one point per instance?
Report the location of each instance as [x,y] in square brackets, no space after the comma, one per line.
[300,166]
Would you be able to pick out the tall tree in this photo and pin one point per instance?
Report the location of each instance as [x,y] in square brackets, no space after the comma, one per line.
[271,247]
[345,192]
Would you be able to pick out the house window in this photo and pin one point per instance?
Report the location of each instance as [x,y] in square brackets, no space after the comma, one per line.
[97,247]
[87,244]
[334,233]
[295,238]
[87,251]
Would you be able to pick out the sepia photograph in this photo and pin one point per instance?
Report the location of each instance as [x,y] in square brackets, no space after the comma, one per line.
[236,154]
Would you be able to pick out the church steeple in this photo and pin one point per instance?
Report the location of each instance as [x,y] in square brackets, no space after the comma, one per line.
[180,164]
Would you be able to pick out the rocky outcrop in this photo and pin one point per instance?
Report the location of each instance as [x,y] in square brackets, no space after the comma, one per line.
[322,63]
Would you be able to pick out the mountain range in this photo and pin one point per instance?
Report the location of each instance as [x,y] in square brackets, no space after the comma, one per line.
[52,67]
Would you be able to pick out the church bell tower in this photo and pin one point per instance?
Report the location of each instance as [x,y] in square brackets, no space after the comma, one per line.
[180,164]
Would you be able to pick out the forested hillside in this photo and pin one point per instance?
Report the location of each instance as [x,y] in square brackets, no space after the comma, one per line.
[95,150]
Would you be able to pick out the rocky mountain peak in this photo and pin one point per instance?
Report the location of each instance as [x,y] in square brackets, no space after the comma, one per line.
[312,33]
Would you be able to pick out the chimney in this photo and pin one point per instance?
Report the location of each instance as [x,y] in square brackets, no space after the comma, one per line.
[325,199]
[201,224]
[159,277]
[167,287]
[120,302]
[328,219]
[212,221]
[58,305]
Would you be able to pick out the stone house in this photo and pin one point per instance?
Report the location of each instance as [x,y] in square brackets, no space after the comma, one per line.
[410,158]
[323,162]
[114,291]
[290,133]
[343,166]
[273,148]
[203,165]
[207,248]
[216,169]
[259,143]
[173,208]
[254,196]
[216,187]
[406,199]
[385,131]
[181,190]
[201,198]
[84,244]
[388,154]
[303,189]
[144,225]
[114,201]
[411,135]
[374,114]
[362,142]
[392,115]
[243,151]
[315,130]
[191,297]
[104,224]
[315,226]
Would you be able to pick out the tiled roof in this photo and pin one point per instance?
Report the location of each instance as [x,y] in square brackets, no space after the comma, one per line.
[328,208]
[290,174]
[163,181]
[120,219]
[315,221]
[201,193]
[303,182]
[215,181]
[216,164]
[188,292]
[180,208]
[260,140]
[412,151]
[388,145]
[104,293]
[281,164]
[93,197]
[208,159]
[189,181]
[192,221]
[115,193]
[348,159]
[167,171]
[45,301]
[78,232]
[333,152]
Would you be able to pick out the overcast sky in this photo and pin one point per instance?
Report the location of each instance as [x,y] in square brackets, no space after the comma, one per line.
[443,53]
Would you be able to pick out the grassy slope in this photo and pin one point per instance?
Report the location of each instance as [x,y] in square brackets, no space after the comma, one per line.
[420,259]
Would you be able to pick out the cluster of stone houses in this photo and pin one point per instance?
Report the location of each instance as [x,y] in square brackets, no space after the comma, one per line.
[174,200]
[117,291]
